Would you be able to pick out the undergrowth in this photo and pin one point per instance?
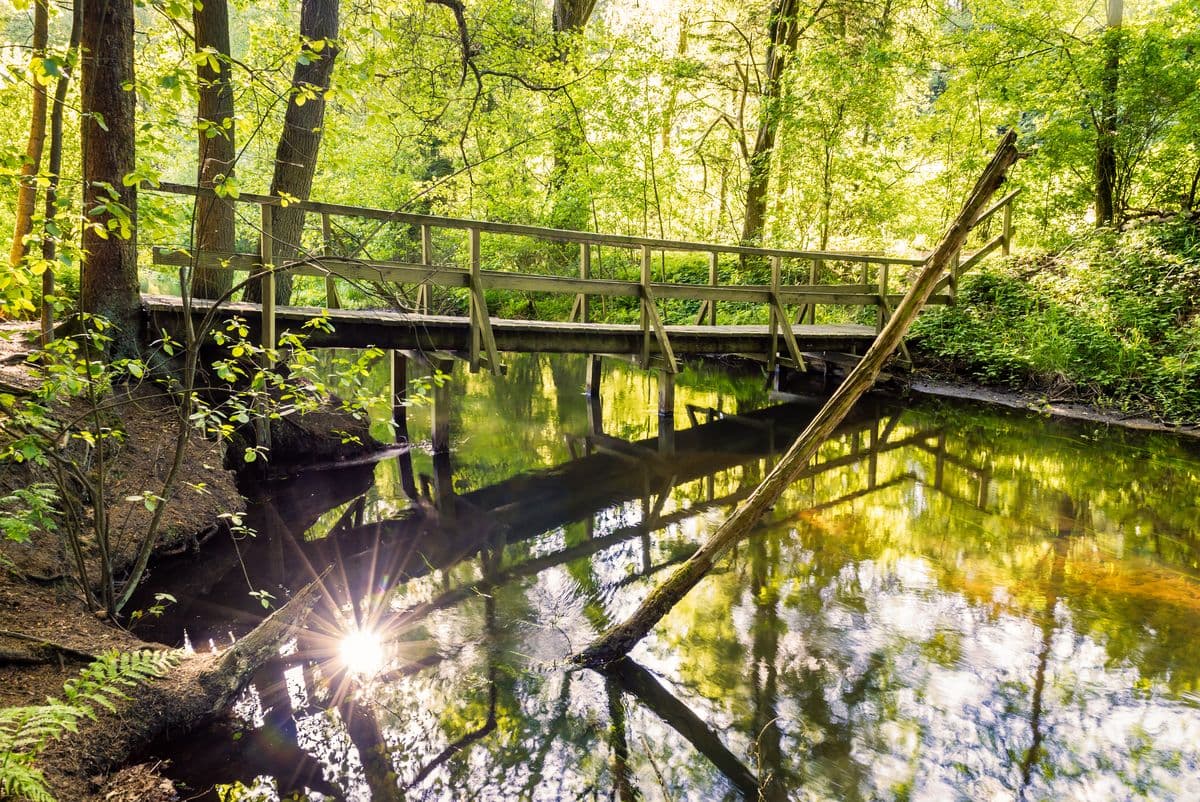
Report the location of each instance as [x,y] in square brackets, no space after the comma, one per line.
[1114,322]
[26,731]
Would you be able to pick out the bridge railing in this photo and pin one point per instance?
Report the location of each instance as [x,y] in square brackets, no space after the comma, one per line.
[873,286]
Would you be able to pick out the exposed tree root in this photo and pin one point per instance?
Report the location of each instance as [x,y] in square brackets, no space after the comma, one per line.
[32,649]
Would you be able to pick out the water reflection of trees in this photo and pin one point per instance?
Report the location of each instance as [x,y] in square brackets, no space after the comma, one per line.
[947,604]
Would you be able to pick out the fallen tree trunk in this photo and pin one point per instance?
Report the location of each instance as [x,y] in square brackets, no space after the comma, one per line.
[621,638]
[199,688]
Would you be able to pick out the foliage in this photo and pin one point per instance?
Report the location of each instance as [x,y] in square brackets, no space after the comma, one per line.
[71,429]
[26,731]
[1114,321]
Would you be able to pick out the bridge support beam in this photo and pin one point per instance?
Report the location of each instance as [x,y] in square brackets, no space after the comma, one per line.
[594,371]
[666,394]
[440,409]
[398,393]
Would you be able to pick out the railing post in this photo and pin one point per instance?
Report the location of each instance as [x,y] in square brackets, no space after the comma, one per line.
[645,319]
[423,292]
[331,296]
[585,272]
[773,316]
[268,283]
[883,295]
[1006,247]
[476,312]
[814,273]
[713,278]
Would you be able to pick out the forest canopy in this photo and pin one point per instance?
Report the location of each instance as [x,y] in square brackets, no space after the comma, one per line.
[851,124]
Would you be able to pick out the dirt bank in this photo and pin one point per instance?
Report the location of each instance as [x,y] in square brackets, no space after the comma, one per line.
[48,633]
[940,386]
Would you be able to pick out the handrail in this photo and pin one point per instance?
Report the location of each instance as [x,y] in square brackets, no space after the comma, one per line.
[476,280]
[554,234]
[995,207]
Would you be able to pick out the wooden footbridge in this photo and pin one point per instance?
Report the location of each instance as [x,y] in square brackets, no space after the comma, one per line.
[801,283]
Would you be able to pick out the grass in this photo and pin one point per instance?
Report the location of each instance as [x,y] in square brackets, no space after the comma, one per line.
[1115,322]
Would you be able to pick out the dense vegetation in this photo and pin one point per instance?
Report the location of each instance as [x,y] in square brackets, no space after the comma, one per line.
[1113,320]
[834,124]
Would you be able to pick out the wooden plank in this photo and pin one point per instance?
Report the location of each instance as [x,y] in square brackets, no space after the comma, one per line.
[813,276]
[585,273]
[355,328]
[448,276]
[553,234]
[995,207]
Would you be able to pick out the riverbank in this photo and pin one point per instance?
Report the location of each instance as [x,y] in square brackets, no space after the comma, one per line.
[933,385]
[1110,323]
[48,632]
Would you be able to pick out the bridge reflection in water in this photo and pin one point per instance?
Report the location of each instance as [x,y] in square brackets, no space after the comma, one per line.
[918,615]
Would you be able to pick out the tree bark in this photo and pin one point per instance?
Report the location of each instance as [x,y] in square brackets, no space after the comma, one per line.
[296,155]
[109,279]
[620,639]
[784,33]
[54,166]
[1106,135]
[214,216]
[27,187]
[569,207]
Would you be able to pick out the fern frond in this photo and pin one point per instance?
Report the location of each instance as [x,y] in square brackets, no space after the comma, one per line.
[20,779]
[25,731]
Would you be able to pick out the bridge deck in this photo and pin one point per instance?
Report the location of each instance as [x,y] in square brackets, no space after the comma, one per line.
[403,331]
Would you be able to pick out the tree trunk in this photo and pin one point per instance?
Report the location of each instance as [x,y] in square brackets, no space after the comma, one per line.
[54,167]
[1106,134]
[784,33]
[214,216]
[27,188]
[201,687]
[620,639]
[108,283]
[569,208]
[303,123]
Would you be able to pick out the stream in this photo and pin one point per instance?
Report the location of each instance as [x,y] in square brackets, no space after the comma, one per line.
[953,602]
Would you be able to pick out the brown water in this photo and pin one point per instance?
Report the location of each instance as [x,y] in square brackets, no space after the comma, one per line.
[953,603]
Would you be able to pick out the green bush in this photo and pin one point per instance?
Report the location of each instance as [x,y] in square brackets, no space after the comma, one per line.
[1114,322]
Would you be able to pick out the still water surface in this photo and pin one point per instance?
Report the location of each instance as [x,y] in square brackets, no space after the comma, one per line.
[953,603]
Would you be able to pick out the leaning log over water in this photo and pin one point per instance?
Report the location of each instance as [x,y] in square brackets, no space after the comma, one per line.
[621,638]
[198,689]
